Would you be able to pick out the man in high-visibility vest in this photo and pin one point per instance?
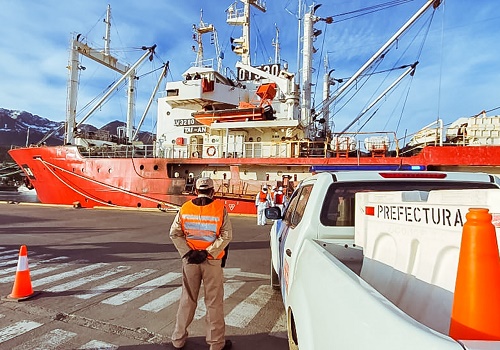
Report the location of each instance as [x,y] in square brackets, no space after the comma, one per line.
[200,232]
[280,199]
[262,201]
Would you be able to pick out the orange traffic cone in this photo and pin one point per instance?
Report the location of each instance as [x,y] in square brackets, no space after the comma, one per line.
[22,288]
[475,313]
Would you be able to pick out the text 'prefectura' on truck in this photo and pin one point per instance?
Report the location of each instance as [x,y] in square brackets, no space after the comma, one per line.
[382,278]
[244,129]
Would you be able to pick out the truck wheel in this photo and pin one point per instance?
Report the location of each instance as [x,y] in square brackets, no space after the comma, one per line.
[293,343]
[275,281]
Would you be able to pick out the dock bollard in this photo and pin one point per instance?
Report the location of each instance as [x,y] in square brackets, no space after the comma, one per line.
[475,313]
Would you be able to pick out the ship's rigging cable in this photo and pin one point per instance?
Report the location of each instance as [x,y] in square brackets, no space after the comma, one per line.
[363,79]
[368,10]
[440,70]
[402,108]
[425,25]
[261,41]
[49,166]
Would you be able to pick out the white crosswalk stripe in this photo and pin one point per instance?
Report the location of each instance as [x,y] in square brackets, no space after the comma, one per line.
[114,284]
[17,329]
[8,252]
[141,289]
[233,272]
[50,340]
[98,345]
[229,288]
[279,330]
[77,283]
[64,276]
[9,260]
[12,269]
[54,339]
[163,302]
[245,311]
[33,270]
[60,276]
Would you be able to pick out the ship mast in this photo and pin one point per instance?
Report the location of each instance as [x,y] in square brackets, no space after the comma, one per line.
[310,35]
[241,17]
[77,48]
[199,30]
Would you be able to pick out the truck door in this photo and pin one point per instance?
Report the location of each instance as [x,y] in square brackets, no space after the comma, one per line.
[288,234]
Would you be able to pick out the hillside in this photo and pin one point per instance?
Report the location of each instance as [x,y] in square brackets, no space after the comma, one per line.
[20,128]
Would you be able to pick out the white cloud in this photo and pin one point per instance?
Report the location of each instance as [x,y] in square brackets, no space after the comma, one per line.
[457,75]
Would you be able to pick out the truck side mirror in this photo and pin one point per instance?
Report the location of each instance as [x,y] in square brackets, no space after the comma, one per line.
[273,213]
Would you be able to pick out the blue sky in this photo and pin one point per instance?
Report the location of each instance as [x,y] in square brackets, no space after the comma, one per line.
[457,76]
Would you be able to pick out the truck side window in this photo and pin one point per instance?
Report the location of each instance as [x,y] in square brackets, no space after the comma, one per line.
[291,206]
[338,208]
[297,205]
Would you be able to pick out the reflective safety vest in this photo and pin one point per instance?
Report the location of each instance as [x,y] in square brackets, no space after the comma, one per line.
[262,196]
[278,198]
[202,224]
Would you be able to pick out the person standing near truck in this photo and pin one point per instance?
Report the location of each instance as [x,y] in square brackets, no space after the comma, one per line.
[280,199]
[200,232]
[262,201]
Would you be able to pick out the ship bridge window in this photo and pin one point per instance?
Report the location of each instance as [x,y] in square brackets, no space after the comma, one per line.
[173,92]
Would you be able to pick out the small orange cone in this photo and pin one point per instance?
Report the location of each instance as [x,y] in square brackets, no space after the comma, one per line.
[22,289]
[475,313]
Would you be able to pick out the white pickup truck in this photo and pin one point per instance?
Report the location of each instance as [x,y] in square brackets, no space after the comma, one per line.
[337,297]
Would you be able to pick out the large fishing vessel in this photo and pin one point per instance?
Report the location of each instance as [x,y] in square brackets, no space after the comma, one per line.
[255,127]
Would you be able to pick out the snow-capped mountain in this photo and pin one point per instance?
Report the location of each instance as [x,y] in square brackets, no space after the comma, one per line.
[18,128]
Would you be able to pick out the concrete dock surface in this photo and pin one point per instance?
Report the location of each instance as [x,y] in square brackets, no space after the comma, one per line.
[110,279]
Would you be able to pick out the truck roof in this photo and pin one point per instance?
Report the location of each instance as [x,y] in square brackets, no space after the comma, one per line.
[356,176]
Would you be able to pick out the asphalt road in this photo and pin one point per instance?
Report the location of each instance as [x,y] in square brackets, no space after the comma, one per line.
[110,279]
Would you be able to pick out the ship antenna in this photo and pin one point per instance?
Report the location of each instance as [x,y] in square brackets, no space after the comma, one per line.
[276,44]
[107,37]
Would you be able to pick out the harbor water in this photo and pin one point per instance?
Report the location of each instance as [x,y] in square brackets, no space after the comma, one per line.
[21,197]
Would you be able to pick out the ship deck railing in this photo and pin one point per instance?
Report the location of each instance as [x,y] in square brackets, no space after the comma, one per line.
[341,147]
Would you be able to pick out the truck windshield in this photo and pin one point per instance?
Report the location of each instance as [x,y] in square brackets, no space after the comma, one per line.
[339,207]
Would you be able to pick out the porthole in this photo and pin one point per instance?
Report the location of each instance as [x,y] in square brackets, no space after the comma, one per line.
[141,167]
[155,167]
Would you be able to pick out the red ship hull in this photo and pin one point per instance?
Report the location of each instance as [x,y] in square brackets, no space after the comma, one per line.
[61,175]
